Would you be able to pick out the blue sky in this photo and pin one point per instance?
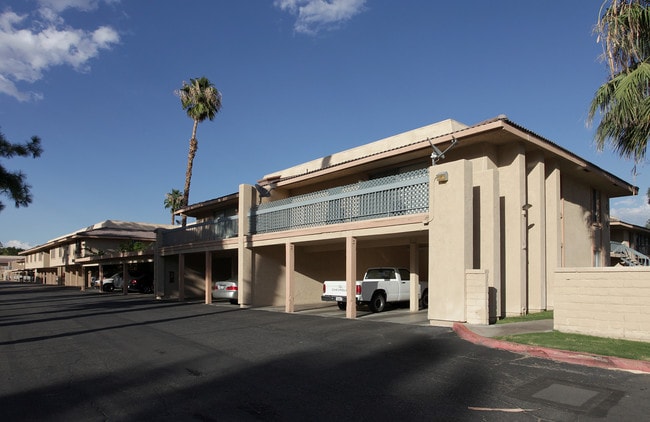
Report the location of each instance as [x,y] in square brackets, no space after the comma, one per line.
[300,79]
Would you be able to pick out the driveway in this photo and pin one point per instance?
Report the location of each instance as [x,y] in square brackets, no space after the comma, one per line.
[68,355]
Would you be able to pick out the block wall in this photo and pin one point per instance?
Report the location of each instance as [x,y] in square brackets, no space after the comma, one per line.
[606,302]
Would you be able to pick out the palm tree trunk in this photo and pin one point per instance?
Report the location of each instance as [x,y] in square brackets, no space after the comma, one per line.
[194,146]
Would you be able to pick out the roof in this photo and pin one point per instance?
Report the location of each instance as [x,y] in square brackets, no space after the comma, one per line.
[108,229]
[443,132]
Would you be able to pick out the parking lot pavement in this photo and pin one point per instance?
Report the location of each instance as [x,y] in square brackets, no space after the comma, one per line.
[394,315]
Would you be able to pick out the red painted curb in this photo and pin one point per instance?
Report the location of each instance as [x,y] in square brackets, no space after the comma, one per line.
[577,358]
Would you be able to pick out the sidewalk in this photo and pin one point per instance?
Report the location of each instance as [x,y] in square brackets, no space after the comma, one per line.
[483,335]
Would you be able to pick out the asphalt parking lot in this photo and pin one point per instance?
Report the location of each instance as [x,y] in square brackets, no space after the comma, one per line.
[67,355]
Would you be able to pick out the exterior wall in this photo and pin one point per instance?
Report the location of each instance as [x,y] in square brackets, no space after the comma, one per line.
[536,231]
[576,223]
[512,187]
[605,302]
[451,212]
[554,240]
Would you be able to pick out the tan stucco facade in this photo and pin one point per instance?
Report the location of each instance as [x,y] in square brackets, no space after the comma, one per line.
[504,209]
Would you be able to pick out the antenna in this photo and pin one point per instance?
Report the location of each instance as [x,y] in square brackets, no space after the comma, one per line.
[438,155]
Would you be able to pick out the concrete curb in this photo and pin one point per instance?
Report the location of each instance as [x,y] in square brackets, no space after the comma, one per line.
[607,362]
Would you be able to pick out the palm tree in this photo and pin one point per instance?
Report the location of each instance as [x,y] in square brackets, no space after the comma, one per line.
[173,200]
[201,100]
[624,99]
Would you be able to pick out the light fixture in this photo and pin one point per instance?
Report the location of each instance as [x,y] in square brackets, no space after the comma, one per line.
[442,177]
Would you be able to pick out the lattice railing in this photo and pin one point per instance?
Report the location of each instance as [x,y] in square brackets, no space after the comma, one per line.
[221,228]
[401,194]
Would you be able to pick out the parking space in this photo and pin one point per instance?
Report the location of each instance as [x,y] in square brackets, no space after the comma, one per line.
[396,315]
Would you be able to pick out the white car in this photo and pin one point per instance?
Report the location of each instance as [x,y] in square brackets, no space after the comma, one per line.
[225,290]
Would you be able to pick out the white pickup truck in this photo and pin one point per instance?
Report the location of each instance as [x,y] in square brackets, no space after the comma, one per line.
[379,286]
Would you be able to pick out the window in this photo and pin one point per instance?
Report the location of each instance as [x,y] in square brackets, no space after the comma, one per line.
[596,208]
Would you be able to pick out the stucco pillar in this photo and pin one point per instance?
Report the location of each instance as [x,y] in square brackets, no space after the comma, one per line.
[415,276]
[244,253]
[351,276]
[512,186]
[158,268]
[208,277]
[554,242]
[450,240]
[487,252]
[125,278]
[290,263]
[181,277]
[536,232]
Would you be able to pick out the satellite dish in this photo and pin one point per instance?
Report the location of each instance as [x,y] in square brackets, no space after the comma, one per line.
[263,192]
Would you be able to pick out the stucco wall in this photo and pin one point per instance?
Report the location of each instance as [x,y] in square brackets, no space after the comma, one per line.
[578,237]
[606,302]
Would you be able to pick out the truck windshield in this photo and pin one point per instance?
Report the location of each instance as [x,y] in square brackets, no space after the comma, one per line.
[381,273]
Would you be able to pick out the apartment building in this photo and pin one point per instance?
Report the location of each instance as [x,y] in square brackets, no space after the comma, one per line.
[94,251]
[485,213]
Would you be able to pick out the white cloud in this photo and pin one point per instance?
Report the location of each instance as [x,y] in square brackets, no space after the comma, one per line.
[17,244]
[29,47]
[634,209]
[316,15]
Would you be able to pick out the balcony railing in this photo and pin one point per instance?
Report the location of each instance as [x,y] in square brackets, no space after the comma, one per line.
[401,194]
[219,229]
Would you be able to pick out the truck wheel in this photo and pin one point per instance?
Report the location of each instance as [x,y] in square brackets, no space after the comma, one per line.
[377,303]
[341,305]
[424,302]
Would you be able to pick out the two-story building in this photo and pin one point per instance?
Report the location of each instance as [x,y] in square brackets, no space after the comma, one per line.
[484,213]
[95,251]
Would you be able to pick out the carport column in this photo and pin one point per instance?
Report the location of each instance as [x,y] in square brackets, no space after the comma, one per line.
[450,240]
[290,265]
[244,253]
[208,277]
[415,276]
[125,278]
[351,276]
[181,277]
[100,275]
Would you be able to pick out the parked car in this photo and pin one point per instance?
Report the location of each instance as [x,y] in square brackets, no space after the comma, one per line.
[142,283]
[225,290]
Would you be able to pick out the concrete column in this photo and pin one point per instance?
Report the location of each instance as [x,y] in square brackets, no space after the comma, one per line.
[181,277]
[415,276]
[450,240]
[536,232]
[553,228]
[159,275]
[208,277]
[100,274]
[488,230]
[512,186]
[245,254]
[125,278]
[290,264]
[351,276]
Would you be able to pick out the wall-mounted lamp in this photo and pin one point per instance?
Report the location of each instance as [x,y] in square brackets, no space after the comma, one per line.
[525,208]
[442,177]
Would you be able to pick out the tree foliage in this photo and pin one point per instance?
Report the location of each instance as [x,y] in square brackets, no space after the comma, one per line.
[201,100]
[13,183]
[173,201]
[623,101]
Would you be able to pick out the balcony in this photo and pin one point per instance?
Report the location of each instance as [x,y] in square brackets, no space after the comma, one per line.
[222,228]
[402,194]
